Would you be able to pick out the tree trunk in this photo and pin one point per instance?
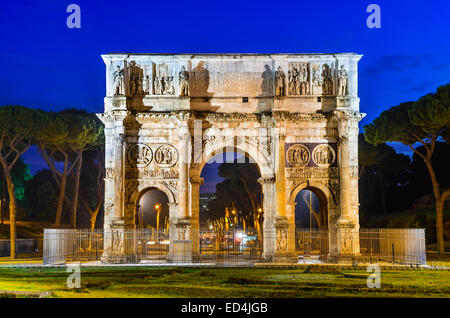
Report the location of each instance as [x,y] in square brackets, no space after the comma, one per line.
[440,227]
[382,195]
[3,206]
[12,214]
[250,195]
[92,221]
[1,215]
[75,193]
[62,192]
[439,208]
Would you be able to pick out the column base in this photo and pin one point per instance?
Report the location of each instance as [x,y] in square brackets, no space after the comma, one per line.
[182,252]
[108,258]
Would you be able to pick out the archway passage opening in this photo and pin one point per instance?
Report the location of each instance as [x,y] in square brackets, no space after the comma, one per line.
[311,223]
[231,206]
[152,224]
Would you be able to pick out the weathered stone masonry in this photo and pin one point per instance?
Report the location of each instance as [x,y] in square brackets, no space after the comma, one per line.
[295,115]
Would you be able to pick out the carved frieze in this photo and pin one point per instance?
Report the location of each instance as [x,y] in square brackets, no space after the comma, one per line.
[323,155]
[298,75]
[297,155]
[139,155]
[147,172]
[312,172]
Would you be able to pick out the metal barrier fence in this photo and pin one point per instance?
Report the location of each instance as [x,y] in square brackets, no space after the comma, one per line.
[64,245]
[312,242]
[232,247]
[400,246]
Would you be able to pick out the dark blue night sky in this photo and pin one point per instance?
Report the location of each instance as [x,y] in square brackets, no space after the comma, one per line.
[47,65]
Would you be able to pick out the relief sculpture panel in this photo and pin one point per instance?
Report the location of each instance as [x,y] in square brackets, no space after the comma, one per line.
[166,156]
[297,155]
[323,155]
[139,155]
[298,79]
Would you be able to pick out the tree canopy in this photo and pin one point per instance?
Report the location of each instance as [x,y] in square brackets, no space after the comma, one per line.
[239,190]
[425,121]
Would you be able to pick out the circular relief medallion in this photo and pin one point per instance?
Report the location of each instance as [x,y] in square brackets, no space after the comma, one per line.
[297,155]
[166,156]
[323,155]
[139,155]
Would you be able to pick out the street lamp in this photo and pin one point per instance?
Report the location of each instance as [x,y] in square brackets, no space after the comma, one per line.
[158,210]
[258,225]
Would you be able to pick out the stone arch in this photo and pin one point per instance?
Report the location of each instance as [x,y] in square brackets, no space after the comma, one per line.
[249,150]
[144,187]
[323,193]
[141,189]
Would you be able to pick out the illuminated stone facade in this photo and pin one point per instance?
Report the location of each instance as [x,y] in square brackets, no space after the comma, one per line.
[295,115]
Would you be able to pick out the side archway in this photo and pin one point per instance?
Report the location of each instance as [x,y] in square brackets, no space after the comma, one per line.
[144,187]
[327,201]
[140,190]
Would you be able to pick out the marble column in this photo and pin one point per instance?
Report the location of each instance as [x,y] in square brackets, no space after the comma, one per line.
[347,224]
[280,179]
[182,244]
[269,214]
[195,215]
[184,174]
[114,225]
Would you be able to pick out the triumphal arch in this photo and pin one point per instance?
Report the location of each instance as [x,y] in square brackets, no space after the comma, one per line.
[295,115]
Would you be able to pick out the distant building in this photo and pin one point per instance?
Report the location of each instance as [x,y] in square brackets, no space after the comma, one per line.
[205,198]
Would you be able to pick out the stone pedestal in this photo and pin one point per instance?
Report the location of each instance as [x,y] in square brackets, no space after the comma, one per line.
[182,246]
[118,247]
[347,238]
[282,254]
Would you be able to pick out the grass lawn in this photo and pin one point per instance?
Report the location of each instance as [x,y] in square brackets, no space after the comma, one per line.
[224,282]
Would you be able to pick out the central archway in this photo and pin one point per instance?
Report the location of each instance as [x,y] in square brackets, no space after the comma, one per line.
[246,244]
[231,220]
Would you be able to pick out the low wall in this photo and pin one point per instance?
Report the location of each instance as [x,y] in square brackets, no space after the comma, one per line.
[22,246]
